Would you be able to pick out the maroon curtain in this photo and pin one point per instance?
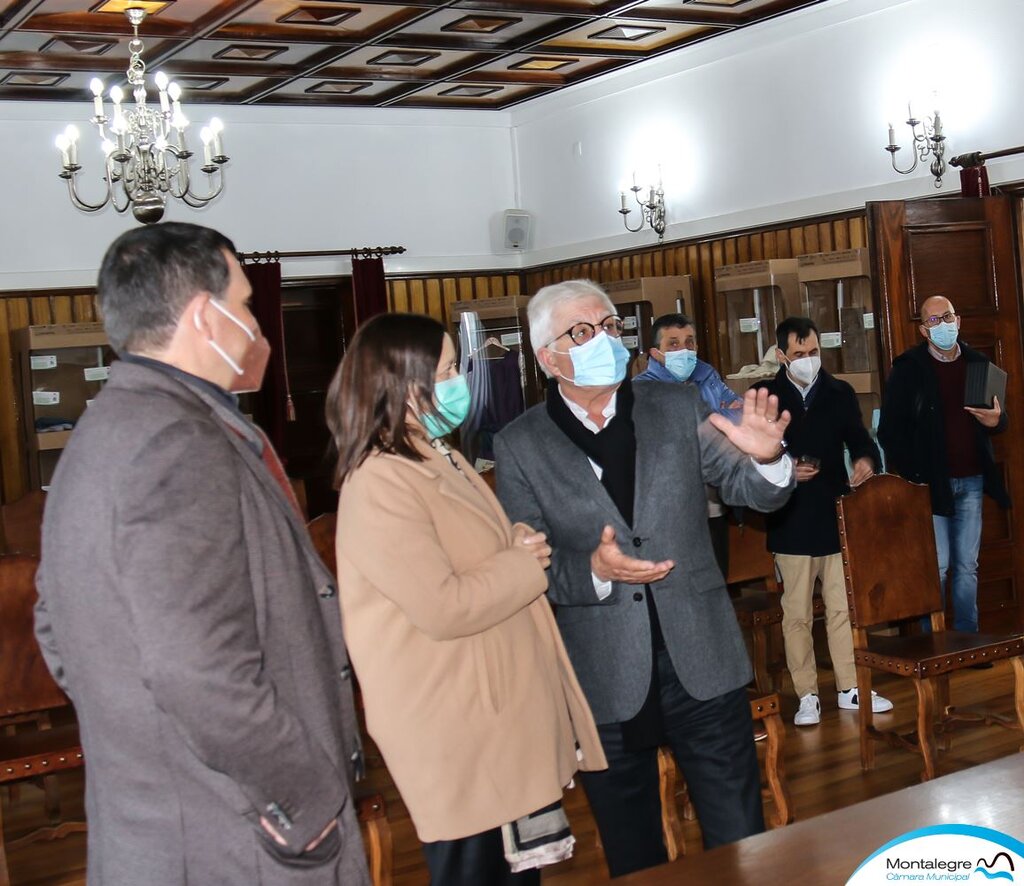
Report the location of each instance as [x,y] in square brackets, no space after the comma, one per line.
[273,403]
[369,289]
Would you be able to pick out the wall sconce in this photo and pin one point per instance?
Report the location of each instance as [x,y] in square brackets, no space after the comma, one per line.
[652,210]
[930,141]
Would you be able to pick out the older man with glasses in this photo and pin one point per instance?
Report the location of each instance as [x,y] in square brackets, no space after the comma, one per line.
[614,474]
[929,436]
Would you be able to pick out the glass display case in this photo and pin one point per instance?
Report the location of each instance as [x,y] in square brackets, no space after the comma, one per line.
[753,298]
[835,290]
[641,301]
[61,368]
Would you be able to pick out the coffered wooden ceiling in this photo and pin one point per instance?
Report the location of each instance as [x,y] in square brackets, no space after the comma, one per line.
[370,53]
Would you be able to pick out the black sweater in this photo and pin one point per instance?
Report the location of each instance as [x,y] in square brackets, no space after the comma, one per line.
[806,525]
[913,434]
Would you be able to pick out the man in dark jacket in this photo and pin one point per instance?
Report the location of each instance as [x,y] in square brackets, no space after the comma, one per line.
[803,535]
[929,436]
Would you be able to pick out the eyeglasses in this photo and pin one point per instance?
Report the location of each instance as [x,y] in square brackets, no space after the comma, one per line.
[583,332]
[932,322]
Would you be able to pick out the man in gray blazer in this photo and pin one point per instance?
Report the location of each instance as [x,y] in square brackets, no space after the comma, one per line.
[614,474]
[182,606]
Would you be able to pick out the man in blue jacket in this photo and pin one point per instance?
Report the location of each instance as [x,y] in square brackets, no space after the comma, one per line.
[674,358]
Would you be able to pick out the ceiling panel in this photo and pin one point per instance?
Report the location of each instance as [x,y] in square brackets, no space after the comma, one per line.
[429,53]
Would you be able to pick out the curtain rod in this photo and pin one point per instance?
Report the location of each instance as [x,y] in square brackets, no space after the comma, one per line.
[364,252]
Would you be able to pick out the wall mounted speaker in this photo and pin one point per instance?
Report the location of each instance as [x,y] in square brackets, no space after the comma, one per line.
[517,228]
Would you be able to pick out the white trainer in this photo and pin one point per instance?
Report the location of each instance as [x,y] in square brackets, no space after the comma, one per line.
[810,711]
[849,701]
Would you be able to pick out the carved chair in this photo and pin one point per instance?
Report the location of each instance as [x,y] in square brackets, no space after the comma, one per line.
[891,571]
[27,695]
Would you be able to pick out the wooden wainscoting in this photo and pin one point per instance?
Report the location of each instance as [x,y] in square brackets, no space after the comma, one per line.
[17,311]
[434,295]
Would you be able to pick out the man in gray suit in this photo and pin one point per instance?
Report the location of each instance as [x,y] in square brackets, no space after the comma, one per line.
[605,468]
[182,606]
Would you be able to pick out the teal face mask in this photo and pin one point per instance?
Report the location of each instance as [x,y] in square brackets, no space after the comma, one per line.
[601,361]
[681,363]
[452,399]
[944,335]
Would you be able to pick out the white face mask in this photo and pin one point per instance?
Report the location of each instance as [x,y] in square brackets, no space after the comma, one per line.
[225,356]
[805,370]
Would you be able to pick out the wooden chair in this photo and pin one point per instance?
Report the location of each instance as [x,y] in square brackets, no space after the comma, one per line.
[891,570]
[764,709]
[27,692]
[21,524]
[371,808]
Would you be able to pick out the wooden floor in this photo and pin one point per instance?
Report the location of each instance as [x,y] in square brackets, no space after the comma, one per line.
[822,766]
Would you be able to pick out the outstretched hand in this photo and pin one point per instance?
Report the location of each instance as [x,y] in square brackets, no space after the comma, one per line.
[608,563]
[761,428]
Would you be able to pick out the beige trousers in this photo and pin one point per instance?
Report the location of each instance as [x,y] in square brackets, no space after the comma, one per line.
[798,576]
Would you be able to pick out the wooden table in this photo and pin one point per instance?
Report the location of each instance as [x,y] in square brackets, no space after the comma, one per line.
[826,850]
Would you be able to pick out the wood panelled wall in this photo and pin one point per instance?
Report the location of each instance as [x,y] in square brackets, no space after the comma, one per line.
[434,295]
[698,258]
[18,310]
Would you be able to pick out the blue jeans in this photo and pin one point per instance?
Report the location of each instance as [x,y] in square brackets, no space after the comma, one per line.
[957,540]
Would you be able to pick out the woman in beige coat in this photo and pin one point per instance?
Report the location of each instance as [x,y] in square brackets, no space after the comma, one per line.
[467,688]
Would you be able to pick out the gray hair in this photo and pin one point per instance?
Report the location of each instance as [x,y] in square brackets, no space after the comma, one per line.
[547,302]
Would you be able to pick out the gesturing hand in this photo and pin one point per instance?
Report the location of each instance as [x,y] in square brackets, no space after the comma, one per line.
[535,543]
[760,430]
[863,469]
[989,418]
[608,563]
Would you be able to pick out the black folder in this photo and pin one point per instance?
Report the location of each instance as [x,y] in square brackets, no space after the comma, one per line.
[984,381]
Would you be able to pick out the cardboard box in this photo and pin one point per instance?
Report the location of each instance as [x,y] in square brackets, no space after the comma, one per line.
[667,295]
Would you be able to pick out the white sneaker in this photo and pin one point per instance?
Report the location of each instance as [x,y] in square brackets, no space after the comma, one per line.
[849,701]
[810,711]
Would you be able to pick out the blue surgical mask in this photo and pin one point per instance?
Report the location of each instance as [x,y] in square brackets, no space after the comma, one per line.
[681,363]
[451,397]
[601,361]
[944,335]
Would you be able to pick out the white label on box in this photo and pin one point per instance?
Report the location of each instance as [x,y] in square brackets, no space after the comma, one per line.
[831,339]
[512,338]
[749,324]
[88,402]
[869,321]
[631,341]
[629,322]
[45,398]
[96,373]
[43,361]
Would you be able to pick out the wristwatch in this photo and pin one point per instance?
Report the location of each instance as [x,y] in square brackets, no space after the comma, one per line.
[783,448]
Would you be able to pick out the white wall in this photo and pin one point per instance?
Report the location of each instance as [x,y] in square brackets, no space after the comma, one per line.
[298,180]
[777,121]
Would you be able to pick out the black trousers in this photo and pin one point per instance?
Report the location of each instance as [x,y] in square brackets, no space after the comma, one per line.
[713,744]
[474,861]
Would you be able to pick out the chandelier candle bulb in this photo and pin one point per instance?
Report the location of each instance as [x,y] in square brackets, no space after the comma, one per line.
[96,85]
[937,125]
[62,145]
[206,136]
[892,135]
[162,84]
[216,128]
[622,200]
[71,133]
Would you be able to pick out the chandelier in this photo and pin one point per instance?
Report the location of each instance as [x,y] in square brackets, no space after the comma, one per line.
[146,155]
[930,141]
[652,210]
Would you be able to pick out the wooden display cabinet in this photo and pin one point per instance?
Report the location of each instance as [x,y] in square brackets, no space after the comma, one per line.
[835,290]
[754,298]
[60,368]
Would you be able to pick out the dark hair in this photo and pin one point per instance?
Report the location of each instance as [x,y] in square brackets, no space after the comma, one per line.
[392,358]
[801,327]
[150,273]
[668,321]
